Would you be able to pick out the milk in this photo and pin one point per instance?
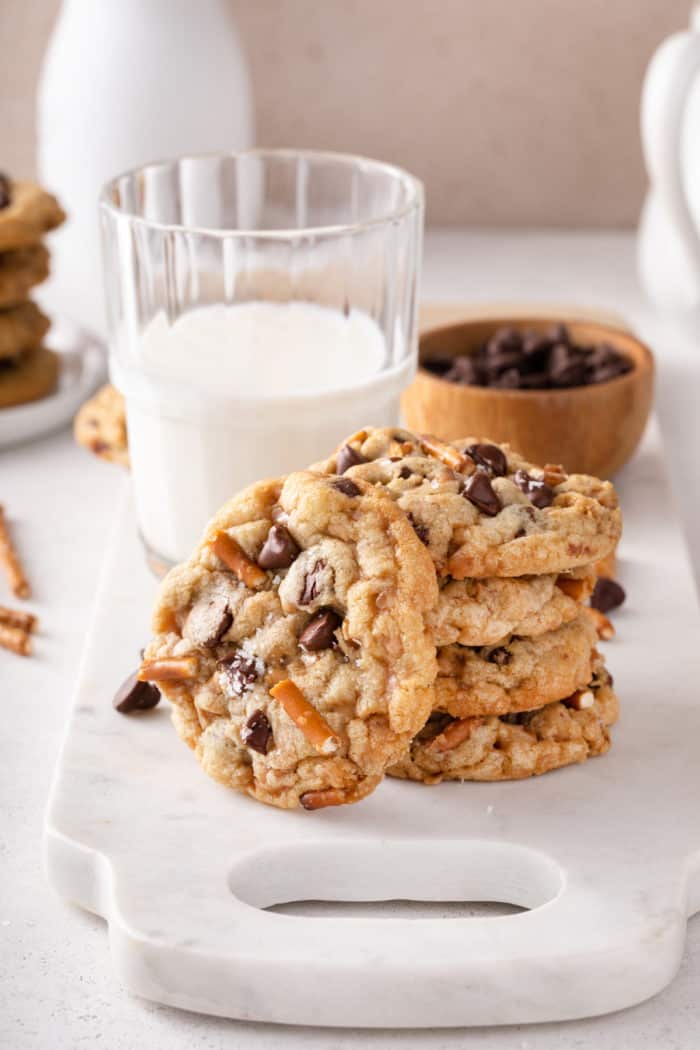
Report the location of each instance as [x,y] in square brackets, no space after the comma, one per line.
[227,395]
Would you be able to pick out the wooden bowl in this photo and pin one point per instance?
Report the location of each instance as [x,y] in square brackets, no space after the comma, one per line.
[589,429]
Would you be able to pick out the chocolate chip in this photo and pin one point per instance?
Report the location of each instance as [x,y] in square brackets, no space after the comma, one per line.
[607,594]
[346,458]
[405,473]
[240,672]
[478,491]
[500,656]
[133,695]
[538,492]
[346,486]
[312,583]
[490,457]
[319,632]
[5,191]
[279,550]
[209,621]
[420,529]
[566,366]
[257,732]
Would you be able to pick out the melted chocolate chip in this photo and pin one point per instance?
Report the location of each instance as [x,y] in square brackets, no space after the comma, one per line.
[607,594]
[346,486]
[319,632]
[5,191]
[241,672]
[279,549]
[346,458]
[133,695]
[405,473]
[209,621]
[257,732]
[311,585]
[478,490]
[538,492]
[500,656]
[421,531]
[490,457]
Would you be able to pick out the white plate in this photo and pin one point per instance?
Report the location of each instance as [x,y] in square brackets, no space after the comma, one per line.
[83,367]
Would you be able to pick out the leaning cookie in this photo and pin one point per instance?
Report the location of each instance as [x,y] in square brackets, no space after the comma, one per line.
[27,212]
[512,747]
[100,426]
[481,509]
[293,644]
[518,674]
[20,271]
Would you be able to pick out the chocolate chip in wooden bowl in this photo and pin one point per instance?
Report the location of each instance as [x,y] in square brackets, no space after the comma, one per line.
[133,695]
[240,672]
[346,458]
[490,457]
[208,621]
[279,550]
[347,487]
[319,632]
[607,594]
[538,492]
[479,491]
[5,191]
[256,733]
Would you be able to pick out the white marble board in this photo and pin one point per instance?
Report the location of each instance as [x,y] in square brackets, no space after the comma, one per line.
[605,855]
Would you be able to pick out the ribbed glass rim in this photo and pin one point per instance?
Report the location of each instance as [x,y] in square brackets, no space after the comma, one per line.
[413,188]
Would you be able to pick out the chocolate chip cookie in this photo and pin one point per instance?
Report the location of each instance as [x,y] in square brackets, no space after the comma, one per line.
[22,327]
[100,426]
[518,674]
[27,212]
[28,378]
[21,270]
[481,509]
[512,747]
[293,643]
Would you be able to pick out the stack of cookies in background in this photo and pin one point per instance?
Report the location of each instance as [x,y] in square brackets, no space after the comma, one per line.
[28,370]
[407,606]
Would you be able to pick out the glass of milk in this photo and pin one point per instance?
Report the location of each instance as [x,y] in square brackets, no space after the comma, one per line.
[261,305]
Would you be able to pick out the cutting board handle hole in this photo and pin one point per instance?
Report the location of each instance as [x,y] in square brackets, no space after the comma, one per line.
[453,874]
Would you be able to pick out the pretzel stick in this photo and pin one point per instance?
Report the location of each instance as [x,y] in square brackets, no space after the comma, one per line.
[602,624]
[169,669]
[455,733]
[306,717]
[10,561]
[447,454]
[324,797]
[237,560]
[575,588]
[15,639]
[14,618]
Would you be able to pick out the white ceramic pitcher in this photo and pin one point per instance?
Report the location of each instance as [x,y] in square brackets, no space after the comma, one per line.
[125,82]
[669,232]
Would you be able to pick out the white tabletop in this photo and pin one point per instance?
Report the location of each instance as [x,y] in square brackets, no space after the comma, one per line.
[57,989]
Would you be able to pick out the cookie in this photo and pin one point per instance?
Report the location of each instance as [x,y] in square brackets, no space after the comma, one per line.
[512,747]
[293,643]
[20,270]
[27,212]
[29,377]
[518,674]
[481,509]
[22,327]
[100,426]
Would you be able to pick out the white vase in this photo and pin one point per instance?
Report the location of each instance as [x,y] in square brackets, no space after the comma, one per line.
[125,82]
[668,247]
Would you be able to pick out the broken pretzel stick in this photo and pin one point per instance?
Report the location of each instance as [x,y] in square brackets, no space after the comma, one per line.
[447,454]
[15,639]
[325,797]
[454,735]
[305,716]
[14,618]
[554,474]
[575,588]
[10,561]
[169,669]
[580,700]
[604,628]
[235,558]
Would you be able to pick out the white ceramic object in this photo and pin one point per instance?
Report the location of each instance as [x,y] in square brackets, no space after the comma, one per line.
[83,366]
[123,83]
[669,233]
[607,854]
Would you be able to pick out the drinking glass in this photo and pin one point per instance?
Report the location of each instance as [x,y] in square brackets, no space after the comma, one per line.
[261,306]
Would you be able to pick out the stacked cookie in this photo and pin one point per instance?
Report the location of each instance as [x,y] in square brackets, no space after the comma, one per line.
[406,606]
[28,370]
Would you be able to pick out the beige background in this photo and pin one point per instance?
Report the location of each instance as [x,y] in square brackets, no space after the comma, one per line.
[514,112]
